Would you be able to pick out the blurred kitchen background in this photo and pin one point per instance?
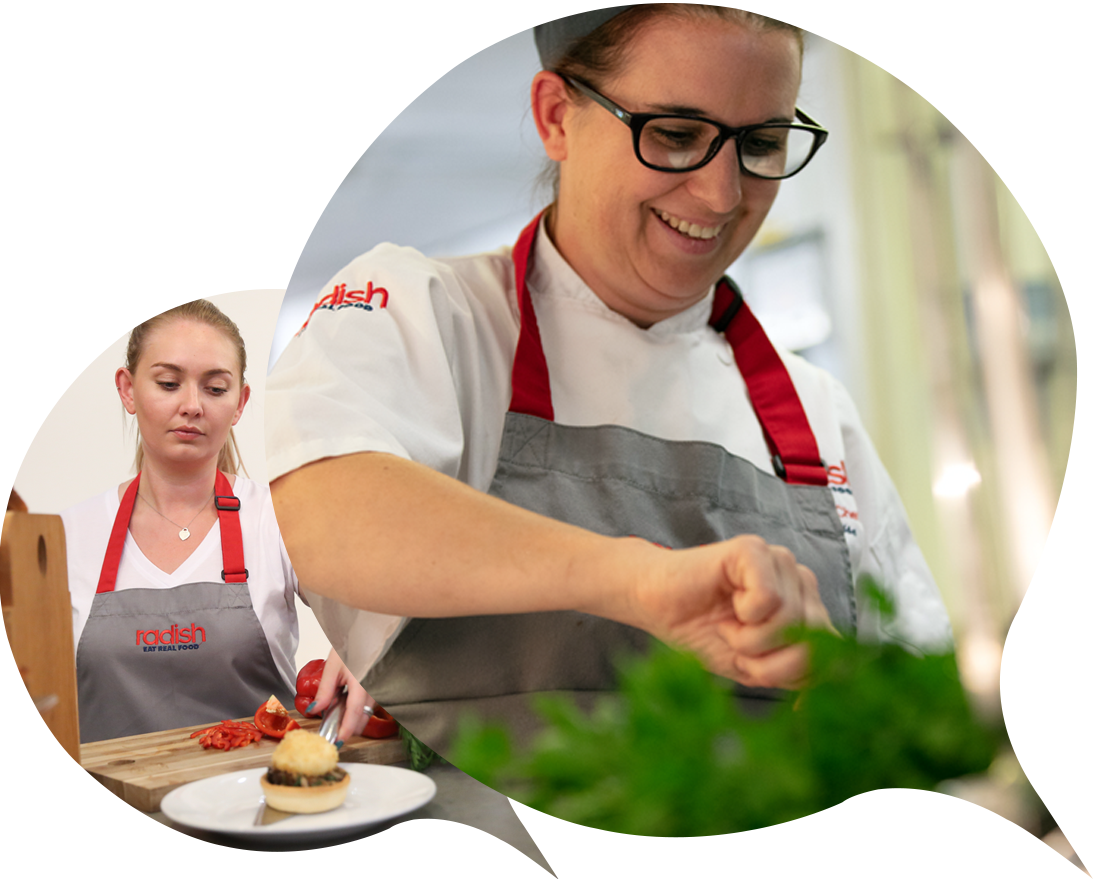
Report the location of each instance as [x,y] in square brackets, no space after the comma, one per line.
[937,257]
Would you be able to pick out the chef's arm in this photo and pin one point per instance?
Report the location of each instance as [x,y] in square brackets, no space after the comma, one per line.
[378,532]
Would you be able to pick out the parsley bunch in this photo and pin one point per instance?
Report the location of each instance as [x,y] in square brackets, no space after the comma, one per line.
[673,752]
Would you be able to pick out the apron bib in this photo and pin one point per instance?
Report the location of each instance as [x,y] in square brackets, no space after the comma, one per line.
[616,482]
[151,659]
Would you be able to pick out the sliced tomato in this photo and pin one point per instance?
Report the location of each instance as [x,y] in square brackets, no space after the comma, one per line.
[380,725]
[273,720]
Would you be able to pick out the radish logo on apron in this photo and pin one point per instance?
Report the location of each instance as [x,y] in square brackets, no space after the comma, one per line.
[172,639]
[146,662]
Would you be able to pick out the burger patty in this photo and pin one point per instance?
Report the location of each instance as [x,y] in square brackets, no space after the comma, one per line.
[287,778]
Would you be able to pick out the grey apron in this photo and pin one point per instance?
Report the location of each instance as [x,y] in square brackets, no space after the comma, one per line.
[150,659]
[617,482]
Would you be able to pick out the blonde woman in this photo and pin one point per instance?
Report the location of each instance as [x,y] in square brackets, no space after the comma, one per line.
[183,596]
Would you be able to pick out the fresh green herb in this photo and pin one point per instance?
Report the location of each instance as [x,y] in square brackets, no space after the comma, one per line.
[672,753]
[421,756]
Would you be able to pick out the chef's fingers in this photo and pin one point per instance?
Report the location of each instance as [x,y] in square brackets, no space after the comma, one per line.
[784,668]
[801,605]
[816,616]
[754,640]
[355,719]
[763,577]
[334,674]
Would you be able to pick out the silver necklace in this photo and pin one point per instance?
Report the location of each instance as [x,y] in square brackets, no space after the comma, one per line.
[183,531]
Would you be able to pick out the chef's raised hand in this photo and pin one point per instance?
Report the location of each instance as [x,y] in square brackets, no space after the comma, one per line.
[731,603]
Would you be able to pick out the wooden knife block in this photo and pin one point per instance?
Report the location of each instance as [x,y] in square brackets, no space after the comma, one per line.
[38,618]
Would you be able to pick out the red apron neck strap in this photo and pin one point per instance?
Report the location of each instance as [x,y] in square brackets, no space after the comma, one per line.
[530,377]
[231,535]
[108,576]
[793,447]
[789,436]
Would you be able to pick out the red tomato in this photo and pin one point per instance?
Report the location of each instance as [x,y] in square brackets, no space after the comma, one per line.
[273,720]
[380,725]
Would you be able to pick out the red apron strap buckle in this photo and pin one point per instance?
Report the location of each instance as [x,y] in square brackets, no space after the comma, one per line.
[231,535]
[226,503]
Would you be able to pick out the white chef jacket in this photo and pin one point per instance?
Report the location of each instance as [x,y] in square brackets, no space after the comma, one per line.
[413,356]
[272,583]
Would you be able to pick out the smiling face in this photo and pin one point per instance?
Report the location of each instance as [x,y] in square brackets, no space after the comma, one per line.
[186,392]
[617,222]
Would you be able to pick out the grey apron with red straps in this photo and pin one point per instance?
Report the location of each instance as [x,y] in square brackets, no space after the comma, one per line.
[617,482]
[151,659]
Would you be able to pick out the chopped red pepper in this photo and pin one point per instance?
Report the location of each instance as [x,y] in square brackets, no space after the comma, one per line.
[272,719]
[380,725]
[228,735]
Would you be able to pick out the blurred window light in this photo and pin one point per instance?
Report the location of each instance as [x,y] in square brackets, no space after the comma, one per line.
[956,479]
[980,659]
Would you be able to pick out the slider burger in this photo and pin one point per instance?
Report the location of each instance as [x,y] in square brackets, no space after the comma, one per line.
[304,777]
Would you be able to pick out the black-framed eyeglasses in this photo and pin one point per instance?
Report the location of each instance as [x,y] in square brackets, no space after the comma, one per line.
[674,143]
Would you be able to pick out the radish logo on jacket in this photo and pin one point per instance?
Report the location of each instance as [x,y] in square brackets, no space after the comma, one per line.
[340,298]
[845,506]
[171,639]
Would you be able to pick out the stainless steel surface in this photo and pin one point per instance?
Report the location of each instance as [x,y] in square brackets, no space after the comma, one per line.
[107,840]
[332,718]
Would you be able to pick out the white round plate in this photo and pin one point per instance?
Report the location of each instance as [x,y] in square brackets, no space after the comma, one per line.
[228,804]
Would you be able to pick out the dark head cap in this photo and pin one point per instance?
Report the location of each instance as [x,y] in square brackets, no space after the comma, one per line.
[554,38]
[560,25]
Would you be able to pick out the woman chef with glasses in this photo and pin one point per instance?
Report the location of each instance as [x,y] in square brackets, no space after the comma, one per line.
[526,462]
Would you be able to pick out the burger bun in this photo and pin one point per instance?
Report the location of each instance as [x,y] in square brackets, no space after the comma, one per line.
[305,799]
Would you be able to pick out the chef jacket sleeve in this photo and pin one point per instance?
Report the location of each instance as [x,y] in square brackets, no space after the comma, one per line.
[401,354]
[890,554]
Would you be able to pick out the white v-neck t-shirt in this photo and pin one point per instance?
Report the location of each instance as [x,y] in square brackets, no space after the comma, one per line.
[272,583]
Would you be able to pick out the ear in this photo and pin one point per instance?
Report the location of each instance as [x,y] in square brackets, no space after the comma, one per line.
[244,396]
[123,379]
[550,105]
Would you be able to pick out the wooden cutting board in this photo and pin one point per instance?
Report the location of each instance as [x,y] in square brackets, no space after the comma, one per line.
[144,768]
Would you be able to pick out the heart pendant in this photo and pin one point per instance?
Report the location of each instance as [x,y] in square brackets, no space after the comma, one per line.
[184,533]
